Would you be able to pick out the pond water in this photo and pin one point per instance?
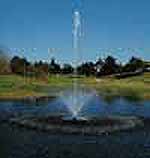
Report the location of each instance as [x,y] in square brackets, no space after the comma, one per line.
[95,107]
[18,142]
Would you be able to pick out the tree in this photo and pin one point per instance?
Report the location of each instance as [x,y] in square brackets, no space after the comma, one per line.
[41,68]
[54,67]
[134,64]
[67,69]
[87,69]
[110,66]
[19,65]
[4,62]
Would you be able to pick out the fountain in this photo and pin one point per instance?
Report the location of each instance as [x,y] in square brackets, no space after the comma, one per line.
[77,97]
[75,100]
[76,103]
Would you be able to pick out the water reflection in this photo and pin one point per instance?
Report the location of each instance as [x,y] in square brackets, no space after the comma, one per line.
[96,106]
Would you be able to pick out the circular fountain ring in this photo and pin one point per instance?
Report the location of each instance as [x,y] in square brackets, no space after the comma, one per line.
[58,125]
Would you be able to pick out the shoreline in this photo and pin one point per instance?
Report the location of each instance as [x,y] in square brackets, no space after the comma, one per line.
[27,98]
[12,87]
[48,98]
[33,98]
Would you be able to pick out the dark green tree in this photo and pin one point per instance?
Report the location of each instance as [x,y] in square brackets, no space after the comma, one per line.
[110,66]
[87,69]
[67,69]
[54,68]
[134,64]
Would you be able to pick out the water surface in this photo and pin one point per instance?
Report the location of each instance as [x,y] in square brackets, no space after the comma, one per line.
[18,142]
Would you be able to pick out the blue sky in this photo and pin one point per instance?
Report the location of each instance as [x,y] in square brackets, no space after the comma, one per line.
[109,27]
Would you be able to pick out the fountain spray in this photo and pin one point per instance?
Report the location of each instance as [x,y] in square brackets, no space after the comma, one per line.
[76,49]
[78,97]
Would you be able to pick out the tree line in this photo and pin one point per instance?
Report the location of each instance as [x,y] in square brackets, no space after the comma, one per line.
[101,67]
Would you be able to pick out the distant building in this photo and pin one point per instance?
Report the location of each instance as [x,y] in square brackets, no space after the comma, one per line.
[147,66]
[98,67]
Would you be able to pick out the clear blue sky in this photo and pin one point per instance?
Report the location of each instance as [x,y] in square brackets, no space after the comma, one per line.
[107,24]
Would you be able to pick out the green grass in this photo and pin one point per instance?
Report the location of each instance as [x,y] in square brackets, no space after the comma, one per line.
[12,86]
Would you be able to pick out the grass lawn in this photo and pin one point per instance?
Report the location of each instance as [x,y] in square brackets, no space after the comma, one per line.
[12,86]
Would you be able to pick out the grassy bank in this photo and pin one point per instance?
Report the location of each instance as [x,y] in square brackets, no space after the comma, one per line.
[12,86]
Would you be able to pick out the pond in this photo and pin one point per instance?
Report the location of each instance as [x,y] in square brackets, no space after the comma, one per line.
[96,107]
[18,142]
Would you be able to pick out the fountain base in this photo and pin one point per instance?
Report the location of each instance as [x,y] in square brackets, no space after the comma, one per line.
[74,118]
